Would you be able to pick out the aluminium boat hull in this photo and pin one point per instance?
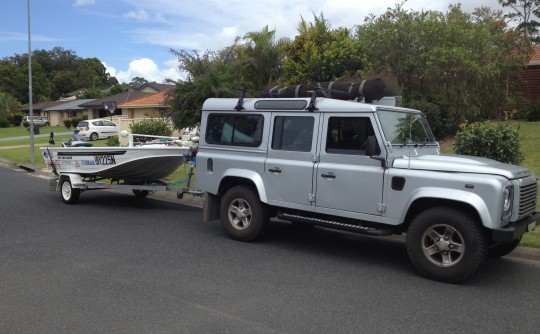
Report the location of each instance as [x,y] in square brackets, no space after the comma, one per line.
[144,163]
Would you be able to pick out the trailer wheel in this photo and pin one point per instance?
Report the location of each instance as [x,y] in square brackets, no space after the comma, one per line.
[445,244]
[69,194]
[243,216]
[140,193]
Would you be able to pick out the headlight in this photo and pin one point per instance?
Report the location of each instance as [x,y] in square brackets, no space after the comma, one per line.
[508,198]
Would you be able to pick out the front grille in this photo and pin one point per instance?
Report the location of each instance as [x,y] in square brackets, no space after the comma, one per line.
[527,198]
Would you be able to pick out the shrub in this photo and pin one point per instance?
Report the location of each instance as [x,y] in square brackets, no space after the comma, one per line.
[16,119]
[151,126]
[4,123]
[113,141]
[491,140]
[84,117]
[26,124]
[532,111]
[75,121]
[68,123]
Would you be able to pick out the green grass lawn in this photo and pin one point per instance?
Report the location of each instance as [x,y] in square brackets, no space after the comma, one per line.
[17,131]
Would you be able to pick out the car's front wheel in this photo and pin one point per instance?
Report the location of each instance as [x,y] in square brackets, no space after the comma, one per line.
[446,244]
[243,216]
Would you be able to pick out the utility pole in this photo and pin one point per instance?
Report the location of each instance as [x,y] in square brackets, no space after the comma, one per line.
[30,88]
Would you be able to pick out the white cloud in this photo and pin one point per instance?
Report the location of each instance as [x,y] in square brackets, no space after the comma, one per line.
[79,3]
[147,69]
[143,15]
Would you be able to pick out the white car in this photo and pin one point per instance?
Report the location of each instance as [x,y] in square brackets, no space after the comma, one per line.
[94,129]
[38,120]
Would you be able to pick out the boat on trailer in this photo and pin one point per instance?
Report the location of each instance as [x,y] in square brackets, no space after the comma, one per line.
[127,163]
[140,168]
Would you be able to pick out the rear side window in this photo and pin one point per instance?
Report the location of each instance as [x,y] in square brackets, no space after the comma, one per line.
[234,129]
[293,133]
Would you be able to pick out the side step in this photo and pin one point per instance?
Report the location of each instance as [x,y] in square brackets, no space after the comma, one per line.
[379,232]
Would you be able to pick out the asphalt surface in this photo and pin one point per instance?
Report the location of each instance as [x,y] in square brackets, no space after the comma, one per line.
[117,264]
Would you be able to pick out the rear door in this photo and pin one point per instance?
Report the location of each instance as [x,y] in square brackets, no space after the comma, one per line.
[288,174]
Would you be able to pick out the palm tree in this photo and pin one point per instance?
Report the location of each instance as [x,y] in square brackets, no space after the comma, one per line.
[262,56]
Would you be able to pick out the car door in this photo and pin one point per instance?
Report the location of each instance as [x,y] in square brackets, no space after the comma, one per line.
[346,178]
[108,129]
[290,161]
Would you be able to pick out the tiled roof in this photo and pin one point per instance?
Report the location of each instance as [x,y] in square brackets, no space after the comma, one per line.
[535,58]
[118,98]
[155,100]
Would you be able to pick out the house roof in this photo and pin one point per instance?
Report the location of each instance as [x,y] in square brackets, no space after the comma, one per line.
[535,58]
[70,105]
[158,87]
[42,105]
[118,98]
[159,99]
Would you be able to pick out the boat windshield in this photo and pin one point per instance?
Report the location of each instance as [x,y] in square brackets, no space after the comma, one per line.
[403,128]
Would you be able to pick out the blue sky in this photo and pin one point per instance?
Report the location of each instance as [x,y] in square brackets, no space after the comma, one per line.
[133,37]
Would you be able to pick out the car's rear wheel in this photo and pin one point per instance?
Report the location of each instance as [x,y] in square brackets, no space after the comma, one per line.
[94,136]
[69,194]
[243,216]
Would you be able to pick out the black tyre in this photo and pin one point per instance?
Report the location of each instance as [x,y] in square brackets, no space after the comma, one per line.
[94,136]
[503,249]
[243,216]
[446,245]
[140,193]
[69,194]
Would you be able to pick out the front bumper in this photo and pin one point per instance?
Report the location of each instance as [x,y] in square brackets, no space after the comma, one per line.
[515,230]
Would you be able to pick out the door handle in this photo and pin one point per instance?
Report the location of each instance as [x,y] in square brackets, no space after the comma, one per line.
[274,170]
[329,176]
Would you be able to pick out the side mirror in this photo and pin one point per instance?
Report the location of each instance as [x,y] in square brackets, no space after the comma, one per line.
[371,146]
[373,150]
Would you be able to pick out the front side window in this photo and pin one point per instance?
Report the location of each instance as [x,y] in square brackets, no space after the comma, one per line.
[348,135]
[234,129]
[293,133]
[401,128]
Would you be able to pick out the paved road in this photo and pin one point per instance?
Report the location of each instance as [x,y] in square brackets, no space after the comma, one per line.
[116,264]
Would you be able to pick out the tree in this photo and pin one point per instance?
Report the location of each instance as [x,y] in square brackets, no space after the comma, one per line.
[62,70]
[8,106]
[119,88]
[213,74]
[319,53]
[262,57]
[137,81]
[461,61]
[524,11]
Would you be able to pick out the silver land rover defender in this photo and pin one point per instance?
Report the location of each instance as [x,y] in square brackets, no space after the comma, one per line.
[364,168]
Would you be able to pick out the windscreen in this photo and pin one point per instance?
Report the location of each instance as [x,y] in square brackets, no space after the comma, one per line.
[403,128]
